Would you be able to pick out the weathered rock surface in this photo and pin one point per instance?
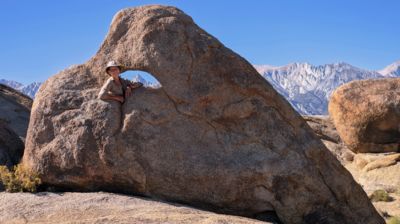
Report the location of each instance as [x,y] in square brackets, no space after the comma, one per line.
[366,114]
[11,146]
[323,127]
[99,208]
[373,171]
[376,171]
[15,109]
[14,119]
[229,144]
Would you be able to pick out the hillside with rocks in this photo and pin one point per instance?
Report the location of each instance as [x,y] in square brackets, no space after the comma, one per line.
[373,171]
[363,132]
[14,120]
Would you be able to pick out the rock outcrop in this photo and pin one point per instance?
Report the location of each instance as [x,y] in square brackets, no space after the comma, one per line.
[11,146]
[373,171]
[15,109]
[366,114]
[14,119]
[323,127]
[101,207]
[230,144]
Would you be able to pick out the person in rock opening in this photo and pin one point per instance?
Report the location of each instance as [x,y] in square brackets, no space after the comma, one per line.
[116,88]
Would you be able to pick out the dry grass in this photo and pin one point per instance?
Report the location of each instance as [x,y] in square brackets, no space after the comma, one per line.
[380,195]
[19,179]
[393,220]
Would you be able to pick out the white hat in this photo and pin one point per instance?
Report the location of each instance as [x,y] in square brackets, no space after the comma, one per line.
[112,64]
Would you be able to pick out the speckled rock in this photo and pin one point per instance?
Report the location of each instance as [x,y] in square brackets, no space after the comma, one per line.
[102,207]
[366,114]
[216,135]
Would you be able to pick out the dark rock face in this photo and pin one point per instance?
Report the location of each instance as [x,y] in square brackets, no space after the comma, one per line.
[14,119]
[15,109]
[216,135]
[366,114]
[11,146]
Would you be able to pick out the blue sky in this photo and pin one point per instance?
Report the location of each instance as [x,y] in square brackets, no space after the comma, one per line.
[40,38]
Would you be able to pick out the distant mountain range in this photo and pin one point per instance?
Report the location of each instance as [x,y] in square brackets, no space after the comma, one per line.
[29,90]
[139,78]
[305,86]
[308,87]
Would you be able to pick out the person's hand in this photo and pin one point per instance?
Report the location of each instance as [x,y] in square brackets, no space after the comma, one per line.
[128,92]
[136,85]
[120,99]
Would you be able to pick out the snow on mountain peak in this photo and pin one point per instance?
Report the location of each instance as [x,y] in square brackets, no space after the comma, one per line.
[139,78]
[308,87]
[29,90]
[305,86]
[392,70]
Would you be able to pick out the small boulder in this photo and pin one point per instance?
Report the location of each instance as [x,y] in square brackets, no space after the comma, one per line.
[366,114]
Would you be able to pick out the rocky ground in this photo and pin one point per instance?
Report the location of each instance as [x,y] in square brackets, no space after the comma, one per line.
[101,207]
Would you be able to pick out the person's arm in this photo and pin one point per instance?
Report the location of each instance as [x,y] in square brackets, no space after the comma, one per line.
[130,86]
[104,93]
[113,97]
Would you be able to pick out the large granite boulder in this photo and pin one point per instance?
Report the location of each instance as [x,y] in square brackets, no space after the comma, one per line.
[216,135]
[366,114]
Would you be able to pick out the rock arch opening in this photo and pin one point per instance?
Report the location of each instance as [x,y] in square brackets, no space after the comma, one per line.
[146,78]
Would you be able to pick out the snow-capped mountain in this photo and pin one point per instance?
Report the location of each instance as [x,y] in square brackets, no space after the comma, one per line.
[139,78]
[392,70]
[305,86]
[29,90]
[308,87]
[12,84]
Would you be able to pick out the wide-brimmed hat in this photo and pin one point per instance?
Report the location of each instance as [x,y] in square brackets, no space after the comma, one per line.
[112,64]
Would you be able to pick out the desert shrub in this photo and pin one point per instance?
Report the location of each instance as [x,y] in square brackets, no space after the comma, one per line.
[380,195]
[393,220]
[19,179]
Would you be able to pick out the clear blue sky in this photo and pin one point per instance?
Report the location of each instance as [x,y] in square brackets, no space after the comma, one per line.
[42,37]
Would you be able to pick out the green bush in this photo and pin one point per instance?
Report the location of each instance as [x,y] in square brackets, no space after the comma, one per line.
[393,220]
[380,195]
[19,179]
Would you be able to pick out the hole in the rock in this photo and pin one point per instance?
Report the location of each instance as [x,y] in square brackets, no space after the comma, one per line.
[146,78]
